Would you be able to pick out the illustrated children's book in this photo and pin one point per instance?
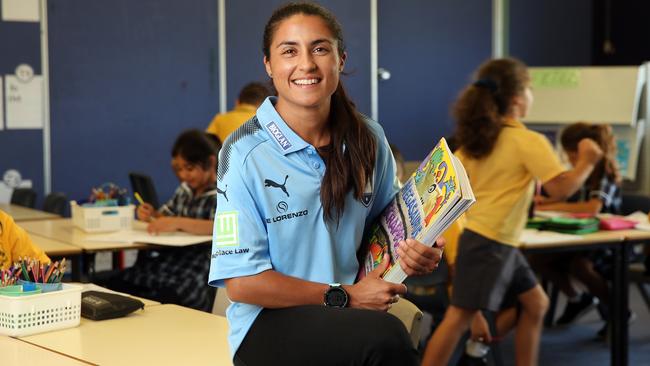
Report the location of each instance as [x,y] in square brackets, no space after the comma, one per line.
[430,201]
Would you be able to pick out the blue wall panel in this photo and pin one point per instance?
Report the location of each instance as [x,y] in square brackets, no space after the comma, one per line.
[126,78]
[22,150]
[430,48]
[552,32]
[244,29]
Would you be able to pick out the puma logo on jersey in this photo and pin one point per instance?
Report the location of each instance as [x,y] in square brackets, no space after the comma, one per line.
[223,192]
[270,183]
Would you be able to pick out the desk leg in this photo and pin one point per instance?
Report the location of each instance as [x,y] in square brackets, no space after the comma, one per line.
[618,311]
[76,268]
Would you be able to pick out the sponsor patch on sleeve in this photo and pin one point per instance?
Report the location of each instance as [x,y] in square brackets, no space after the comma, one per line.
[226,227]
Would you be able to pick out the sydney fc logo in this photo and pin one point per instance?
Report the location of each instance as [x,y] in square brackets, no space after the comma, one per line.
[278,136]
[366,198]
[270,183]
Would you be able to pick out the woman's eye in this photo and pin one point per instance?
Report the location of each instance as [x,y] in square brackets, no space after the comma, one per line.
[289,52]
[320,50]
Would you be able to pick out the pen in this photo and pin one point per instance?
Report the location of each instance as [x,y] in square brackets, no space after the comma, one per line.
[138,197]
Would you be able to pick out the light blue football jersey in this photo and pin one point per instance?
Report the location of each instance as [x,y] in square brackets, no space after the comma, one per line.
[270,216]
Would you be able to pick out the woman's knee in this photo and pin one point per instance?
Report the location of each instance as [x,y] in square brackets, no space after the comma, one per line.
[390,343]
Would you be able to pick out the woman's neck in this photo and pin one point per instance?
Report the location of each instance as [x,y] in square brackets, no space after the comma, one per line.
[311,124]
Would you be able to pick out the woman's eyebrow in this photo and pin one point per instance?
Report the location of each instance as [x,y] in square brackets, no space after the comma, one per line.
[295,43]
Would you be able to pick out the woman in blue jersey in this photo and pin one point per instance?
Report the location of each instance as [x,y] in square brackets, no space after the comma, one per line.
[297,185]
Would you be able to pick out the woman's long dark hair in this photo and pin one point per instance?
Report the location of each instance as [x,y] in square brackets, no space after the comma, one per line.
[350,159]
[482,106]
[604,137]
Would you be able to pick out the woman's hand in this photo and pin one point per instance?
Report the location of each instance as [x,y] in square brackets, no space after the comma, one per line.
[145,212]
[374,293]
[163,224]
[417,258]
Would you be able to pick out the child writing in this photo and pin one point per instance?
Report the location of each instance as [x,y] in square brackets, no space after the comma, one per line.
[179,275]
[304,177]
[16,244]
[601,193]
[502,158]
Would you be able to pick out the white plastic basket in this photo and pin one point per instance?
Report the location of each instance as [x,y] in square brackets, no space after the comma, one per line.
[102,219]
[25,315]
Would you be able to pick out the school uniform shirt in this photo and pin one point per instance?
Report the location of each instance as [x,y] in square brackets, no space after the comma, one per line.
[503,181]
[607,191]
[224,124]
[180,273]
[270,216]
[15,243]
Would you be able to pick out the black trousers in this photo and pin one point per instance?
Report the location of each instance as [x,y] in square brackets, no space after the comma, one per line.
[319,335]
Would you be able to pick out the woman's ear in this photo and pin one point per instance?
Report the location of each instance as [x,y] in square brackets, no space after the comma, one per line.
[267,66]
[343,57]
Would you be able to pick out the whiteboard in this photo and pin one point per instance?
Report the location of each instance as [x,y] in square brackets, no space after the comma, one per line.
[566,95]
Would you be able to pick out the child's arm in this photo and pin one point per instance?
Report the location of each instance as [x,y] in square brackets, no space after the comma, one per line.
[176,223]
[567,183]
[21,244]
[593,206]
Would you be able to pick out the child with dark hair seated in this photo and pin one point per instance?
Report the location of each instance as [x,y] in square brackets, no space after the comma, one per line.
[179,275]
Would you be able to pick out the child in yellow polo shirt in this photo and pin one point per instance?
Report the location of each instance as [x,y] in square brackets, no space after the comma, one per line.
[502,158]
[15,243]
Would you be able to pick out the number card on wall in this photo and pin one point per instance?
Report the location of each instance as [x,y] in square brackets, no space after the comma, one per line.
[24,99]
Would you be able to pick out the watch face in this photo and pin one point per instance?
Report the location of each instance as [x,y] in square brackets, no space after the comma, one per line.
[336,297]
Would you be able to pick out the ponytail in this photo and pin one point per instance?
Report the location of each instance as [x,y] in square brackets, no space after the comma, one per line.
[350,160]
[482,106]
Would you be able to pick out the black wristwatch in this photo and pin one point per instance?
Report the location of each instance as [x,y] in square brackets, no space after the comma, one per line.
[335,296]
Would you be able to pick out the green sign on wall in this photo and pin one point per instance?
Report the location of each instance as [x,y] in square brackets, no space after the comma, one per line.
[555,78]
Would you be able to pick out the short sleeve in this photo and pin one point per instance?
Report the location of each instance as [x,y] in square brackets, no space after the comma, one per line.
[539,158]
[240,241]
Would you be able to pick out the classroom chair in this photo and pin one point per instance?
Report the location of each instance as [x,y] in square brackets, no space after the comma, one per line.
[25,197]
[143,184]
[55,203]
[404,310]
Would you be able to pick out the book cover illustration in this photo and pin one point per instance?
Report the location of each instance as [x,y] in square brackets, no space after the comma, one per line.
[424,207]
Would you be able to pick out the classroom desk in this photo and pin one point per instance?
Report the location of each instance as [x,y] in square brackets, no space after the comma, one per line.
[20,213]
[63,230]
[55,248]
[620,242]
[158,335]
[15,352]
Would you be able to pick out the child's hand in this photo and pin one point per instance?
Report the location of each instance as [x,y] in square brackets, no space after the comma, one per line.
[163,224]
[145,212]
[589,150]
[480,330]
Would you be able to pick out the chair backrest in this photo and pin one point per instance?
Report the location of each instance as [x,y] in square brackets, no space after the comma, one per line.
[25,197]
[55,203]
[634,202]
[410,316]
[143,184]
[221,302]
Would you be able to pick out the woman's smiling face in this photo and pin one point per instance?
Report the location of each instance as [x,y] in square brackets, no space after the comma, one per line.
[304,61]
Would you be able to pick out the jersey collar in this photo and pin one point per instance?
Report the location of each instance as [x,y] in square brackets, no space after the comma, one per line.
[282,136]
